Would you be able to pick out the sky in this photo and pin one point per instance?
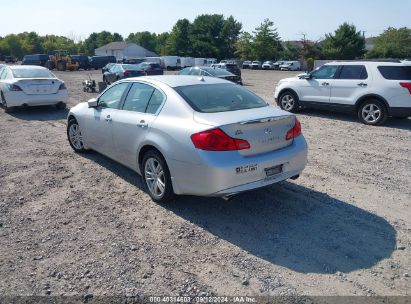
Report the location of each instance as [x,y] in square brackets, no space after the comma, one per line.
[76,19]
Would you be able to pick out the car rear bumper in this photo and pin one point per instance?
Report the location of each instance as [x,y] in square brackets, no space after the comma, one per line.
[219,175]
[17,99]
[399,111]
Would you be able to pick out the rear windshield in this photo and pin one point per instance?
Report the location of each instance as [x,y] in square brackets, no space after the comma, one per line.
[131,67]
[32,73]
[217,72]
[395,72]
[213,98]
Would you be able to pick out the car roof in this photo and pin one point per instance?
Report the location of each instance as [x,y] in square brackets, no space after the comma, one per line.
[31,67]
[180,80]
[369,63]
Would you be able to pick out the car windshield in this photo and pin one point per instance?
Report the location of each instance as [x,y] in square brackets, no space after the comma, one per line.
[217,72]
[224,97]
[32,73]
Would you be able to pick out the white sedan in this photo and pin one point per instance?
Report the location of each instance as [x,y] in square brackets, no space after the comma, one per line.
[30,86]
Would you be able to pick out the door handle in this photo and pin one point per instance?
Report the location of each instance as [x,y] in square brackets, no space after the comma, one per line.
[325,84]
[362,84]
[108,118]
[142,124]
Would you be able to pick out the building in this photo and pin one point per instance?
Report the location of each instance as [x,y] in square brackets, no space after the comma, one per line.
[122,50]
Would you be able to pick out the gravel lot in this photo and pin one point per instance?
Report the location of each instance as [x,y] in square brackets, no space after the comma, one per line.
[83,225]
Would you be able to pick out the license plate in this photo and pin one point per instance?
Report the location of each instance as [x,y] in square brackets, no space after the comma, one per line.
[273,170]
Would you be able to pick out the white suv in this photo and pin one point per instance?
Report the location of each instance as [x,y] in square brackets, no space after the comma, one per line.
[374,90]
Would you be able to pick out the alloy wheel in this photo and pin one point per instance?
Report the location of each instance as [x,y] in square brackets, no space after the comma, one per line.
[287,102]
[75,136]
[371,113]
[155,177]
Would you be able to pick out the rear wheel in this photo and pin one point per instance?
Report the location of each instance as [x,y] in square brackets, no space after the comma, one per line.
[61,105]
[6,108]
[372,112]
[157,177]
[74,136]
[288,101]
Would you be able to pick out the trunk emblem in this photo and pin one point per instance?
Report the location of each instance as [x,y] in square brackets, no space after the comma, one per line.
[268,131]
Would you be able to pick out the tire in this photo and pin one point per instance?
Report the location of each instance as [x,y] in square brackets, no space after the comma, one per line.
[61,66]
[61,105]
[372,112]
[160,188]
[74,136]
[288,101]
[4,104]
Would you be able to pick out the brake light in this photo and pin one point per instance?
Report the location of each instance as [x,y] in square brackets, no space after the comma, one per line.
[126,73]
[406,85]
[62,86]
[294,131]
[14,87]
[217,140]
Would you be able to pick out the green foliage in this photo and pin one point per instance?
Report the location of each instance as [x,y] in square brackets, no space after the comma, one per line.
[178,42]
[145,39]
[266,43]
[346,43]
[96,40]
[243,46]
[393,43]
[310,63]
[290,52]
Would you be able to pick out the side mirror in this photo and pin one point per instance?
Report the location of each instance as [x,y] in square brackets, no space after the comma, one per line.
[92,103]
[305,76]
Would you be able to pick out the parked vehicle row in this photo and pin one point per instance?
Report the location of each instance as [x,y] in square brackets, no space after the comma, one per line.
[373,90]
[273,65]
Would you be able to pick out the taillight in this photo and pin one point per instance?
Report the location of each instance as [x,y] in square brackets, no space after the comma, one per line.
[294,131]
[14,87]
[217,140]
[62,86]
[406,85]
[126,73]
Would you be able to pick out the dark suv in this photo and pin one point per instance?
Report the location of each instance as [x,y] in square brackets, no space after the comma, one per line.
[83,61]
[36,59]
[230,67]
[97,62]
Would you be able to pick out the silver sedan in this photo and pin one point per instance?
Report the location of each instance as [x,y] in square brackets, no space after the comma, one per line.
[190,135]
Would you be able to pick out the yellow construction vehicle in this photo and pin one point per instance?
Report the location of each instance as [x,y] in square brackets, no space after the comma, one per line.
[61,60]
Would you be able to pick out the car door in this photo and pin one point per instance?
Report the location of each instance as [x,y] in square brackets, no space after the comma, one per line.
[317,89]
[113,73]
[351,83]
[133,122]
[98,133]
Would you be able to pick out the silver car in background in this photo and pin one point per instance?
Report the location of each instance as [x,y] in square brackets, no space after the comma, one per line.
[190,135]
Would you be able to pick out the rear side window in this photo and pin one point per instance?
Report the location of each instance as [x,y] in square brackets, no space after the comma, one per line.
[213,98]
[395,72]
[353,72]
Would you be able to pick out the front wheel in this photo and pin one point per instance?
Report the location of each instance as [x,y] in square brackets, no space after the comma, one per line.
[74,136]
[157,177]
[372,112]
[288,101]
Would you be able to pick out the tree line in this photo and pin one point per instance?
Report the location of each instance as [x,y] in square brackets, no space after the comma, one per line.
[214,36]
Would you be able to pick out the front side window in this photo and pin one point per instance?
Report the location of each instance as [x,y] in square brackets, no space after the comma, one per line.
[112,97]
[213,98]
[325,72]
[138,97]
[353,72]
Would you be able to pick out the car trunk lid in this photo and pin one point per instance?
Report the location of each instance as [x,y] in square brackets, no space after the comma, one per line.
[40,86]
[264,128]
